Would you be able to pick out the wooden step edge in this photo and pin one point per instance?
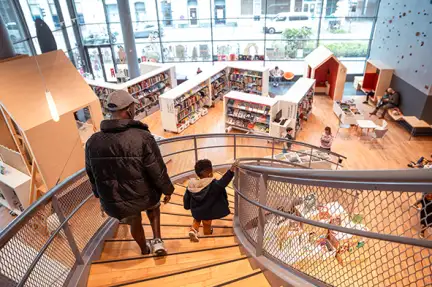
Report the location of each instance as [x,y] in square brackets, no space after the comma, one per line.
[251,274]
[187,270]
[178,194]
[169,254]
[179,225]
[174,238]
[189,215]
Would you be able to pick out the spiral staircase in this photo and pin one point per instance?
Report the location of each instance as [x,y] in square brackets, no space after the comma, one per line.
[65,240]
[217,260]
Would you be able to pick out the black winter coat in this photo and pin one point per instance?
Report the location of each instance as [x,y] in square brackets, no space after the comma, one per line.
[126,168]
[208,201]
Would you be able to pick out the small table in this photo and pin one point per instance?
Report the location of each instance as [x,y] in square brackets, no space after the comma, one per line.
[415,124]
[366,124]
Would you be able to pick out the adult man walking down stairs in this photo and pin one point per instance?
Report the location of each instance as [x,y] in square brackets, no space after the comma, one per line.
[127,171]
[218,260]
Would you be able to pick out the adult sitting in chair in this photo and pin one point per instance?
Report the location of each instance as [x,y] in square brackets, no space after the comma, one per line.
[389,100]
[276,74]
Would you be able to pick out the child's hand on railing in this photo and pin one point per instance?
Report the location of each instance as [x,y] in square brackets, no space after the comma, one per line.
[234,166]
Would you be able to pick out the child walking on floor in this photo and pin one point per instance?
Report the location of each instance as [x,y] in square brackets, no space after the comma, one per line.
[425,212]
[206,197]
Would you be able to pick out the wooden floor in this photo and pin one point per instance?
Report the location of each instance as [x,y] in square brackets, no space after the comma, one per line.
[394,151]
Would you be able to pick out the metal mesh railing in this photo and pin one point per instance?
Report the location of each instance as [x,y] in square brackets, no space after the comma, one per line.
[345,228]
[48,240]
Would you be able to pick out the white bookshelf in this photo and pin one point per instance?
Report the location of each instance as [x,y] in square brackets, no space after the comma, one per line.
[14,189]
[296,104]
[218,84]
[189,101]
[146,89]
[249,113]
[248,78]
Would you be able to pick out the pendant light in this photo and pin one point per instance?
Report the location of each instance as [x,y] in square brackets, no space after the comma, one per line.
[49,98]
[52,106]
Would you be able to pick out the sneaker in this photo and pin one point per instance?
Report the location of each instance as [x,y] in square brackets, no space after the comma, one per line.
[365,102]
[193,235]
[158,247]
[149,248]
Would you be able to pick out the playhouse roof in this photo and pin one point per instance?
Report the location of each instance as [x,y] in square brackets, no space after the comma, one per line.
[23,88]
[319,56]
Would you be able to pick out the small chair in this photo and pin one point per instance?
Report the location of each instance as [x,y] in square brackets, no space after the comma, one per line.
[342,125]
[288,76]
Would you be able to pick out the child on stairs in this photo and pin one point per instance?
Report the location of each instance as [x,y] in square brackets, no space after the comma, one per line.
[206,197]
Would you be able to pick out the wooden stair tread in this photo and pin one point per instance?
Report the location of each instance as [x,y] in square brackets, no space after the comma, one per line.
[121,249]
[254,278]
[204,276]
[102,274]
[185,220]
[167,231]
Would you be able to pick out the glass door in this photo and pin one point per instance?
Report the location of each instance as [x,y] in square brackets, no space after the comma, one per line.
[108,63]
[102,63]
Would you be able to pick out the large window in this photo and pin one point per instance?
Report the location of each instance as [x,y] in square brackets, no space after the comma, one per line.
[207,31]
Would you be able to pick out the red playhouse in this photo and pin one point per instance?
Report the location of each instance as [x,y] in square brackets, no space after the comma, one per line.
[328,71]
[377,77]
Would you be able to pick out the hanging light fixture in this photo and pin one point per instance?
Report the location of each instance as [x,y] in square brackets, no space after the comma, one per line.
[52,106]
[50,100]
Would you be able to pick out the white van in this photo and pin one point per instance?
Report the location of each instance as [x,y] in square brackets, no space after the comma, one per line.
[283,21]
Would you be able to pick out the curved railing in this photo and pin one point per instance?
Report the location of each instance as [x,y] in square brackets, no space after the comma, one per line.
[52,242]
[344,228]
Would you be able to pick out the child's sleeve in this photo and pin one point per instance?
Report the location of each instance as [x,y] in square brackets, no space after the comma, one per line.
[186,200]
[226,178]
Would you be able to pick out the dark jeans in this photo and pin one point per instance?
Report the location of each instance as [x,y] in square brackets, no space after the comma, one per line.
[384,107]
[369,95]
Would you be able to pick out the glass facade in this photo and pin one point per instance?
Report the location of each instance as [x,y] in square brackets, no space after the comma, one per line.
[274,32]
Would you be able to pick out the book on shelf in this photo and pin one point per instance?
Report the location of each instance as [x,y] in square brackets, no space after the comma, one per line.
[147,83]
[190,93]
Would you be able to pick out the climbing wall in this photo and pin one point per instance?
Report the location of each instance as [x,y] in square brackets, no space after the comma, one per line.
[403,40]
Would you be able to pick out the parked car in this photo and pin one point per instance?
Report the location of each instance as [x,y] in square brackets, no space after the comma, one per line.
[100,38]
[283,21]
[13,31]
[149,30]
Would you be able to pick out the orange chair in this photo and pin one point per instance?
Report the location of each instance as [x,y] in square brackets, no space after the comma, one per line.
[288,76]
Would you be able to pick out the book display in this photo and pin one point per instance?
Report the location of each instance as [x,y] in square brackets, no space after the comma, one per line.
[146,89]
[248,81]
[189,101]
[219,86]
[320,159]
[147,92]
[347,110]
[297,103]
[250,114]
